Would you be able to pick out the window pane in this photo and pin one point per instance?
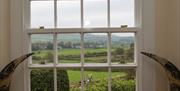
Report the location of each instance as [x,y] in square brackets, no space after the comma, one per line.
[42,14]
[95,47]
[42,80]
[95,13]
[122,13]
[96,80]
[42,46]
[122,48]
[123,80]
[69,48]
[69,14]
[69,80]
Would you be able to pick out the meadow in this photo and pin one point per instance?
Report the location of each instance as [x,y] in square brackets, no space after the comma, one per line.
[94,79]
[71,55]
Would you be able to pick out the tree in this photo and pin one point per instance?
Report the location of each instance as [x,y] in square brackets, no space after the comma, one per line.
[68,44]
[130,51]
[119,51]
[49,56]
[49,46]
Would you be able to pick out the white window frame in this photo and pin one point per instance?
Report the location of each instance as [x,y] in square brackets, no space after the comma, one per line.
[145,41]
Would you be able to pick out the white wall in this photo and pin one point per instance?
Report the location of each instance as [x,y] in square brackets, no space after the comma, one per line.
[6,50]
[167,37]
[16,33]
[4,33]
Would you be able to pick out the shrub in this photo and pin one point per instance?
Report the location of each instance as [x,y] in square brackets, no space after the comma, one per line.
[118,84]
[43,80]
[63,80]
[123,85]
[100,85]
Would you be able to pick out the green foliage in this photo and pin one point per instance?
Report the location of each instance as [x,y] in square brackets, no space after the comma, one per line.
[63,80]
[119,51]
[50,46]
[100,85]
[118,84]
[130,51]
[49,56]
[43,80]
[123,85]
[36,57]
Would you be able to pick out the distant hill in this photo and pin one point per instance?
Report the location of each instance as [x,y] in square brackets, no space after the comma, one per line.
[88,38]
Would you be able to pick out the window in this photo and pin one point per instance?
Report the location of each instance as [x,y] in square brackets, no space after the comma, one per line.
[83,45]
[122,12]
[95,13]
[68,14]
[39,15]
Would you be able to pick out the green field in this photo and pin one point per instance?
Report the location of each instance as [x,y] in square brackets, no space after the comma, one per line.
[74,76]
[77,51]
[70,51]
[98,55]
[71,55]
[96,77]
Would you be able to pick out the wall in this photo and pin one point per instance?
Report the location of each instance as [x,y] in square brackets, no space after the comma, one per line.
[17,33]
[167,37]
[4,33]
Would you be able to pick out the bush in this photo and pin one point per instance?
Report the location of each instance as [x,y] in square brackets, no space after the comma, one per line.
[100,85]
[43,80]
[118,84]
[123,85]
[63,80]
[36,58]
[49,56]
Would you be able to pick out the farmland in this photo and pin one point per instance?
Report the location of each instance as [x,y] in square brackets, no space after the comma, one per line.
[95,51]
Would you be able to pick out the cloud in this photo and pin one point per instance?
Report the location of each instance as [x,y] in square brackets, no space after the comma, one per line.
[95,12]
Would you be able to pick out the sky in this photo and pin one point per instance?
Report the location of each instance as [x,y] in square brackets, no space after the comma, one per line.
[69,13]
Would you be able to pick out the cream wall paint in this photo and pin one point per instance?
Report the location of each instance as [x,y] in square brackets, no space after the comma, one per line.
[17,33]
[167,37]
[4,32]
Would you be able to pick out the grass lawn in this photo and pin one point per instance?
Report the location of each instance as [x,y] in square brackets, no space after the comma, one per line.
[75,75]
[69,52]
[69,61]
[91,50]
[42,53]
[98,59]
[77,51]
[65,52]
